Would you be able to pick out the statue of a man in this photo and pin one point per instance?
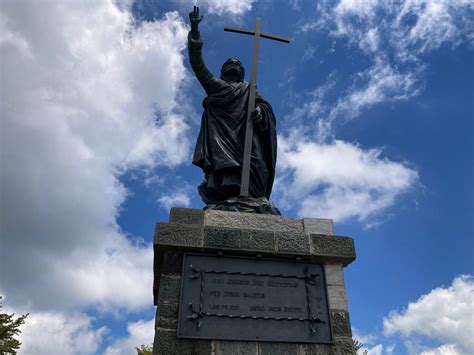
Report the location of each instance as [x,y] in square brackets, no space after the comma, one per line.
[220,144]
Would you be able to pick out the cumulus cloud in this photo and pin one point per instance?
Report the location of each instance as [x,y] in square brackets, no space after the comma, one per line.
[178,199]
[59,333]
[415,26]
[442,350]
[139,333]
[339,180]
[380,83]
[394,36]
[371,345]
[234,7]
[378,349]
[87,94]
[444,315]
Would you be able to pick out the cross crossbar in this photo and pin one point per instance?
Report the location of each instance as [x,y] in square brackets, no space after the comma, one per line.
[245,180]
[252,33]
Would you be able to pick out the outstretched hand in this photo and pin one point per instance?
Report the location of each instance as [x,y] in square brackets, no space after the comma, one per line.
[194,16]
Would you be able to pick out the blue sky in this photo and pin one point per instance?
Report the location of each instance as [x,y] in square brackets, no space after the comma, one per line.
[100,112]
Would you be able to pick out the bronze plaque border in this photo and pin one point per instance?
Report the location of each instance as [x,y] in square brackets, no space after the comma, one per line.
[195,311]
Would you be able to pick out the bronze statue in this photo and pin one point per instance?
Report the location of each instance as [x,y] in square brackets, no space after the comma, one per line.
[220,145]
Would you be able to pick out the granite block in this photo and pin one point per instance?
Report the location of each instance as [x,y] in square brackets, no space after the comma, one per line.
[293,243]
[187,216]
[334,274]
[277,348]
[318,226]
[316,349]
[344,346]
[252,221]
[166,343]
[341,248]
[179,235]
[169,288]
[218,237]
[258,240]
[172,262]
[222,347]
[337,297]
[341,325]
[166,315]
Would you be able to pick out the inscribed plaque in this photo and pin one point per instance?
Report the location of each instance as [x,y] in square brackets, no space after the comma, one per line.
[259,299]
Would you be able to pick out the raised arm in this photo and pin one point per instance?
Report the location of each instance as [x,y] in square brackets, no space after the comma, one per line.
[195,43]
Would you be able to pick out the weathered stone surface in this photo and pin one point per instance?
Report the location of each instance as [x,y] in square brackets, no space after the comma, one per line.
[316,349]
[338,247]
[334,274]
[218,237]
[187,216]
[278,348]
[337,297]
[169,288]
[166,315]
[193,229]
[179,235]
[234,347]
[344,346]
[257,240]
[252,221]
[157,266]
[293,243]
[166,343]
[172,262]
[318,226]
[341,325]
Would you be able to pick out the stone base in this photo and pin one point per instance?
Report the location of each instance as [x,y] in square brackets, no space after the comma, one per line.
[233,233]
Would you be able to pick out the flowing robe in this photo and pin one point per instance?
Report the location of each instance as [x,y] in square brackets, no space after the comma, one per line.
[220,144]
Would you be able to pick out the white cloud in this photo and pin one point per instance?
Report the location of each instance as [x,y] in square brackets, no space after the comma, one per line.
[395,36]
[436,23]
[87,94]
[371,344]
[375,350]
[378,349]
[366,339]
[139,333]
[380,83]
[449,349]
[177,199]
[364,8]
[234,7]
[58,333]
[339,180]
[415,26]
[445,315]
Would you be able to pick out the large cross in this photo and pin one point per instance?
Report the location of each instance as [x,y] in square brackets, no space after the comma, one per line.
[245,180]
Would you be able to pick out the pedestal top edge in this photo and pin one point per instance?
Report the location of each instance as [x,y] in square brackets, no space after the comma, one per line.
[251,221]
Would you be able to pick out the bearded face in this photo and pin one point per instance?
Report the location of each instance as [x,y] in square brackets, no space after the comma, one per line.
[232,70]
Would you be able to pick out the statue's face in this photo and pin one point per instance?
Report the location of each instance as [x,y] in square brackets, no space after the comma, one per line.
[232,70]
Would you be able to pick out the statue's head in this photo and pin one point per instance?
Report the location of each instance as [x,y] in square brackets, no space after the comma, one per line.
[232,70]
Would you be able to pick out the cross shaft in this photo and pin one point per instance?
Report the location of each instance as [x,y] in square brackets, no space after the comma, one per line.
[245,180]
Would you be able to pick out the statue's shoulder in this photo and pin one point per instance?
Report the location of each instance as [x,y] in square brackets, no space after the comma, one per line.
[216,84]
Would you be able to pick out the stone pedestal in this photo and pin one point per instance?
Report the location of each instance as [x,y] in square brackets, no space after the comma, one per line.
[243,234]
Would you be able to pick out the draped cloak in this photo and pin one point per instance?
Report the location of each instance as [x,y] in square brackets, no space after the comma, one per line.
[220,144]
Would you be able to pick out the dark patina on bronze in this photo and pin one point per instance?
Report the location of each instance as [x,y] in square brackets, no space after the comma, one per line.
[237,144]
[256,299]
